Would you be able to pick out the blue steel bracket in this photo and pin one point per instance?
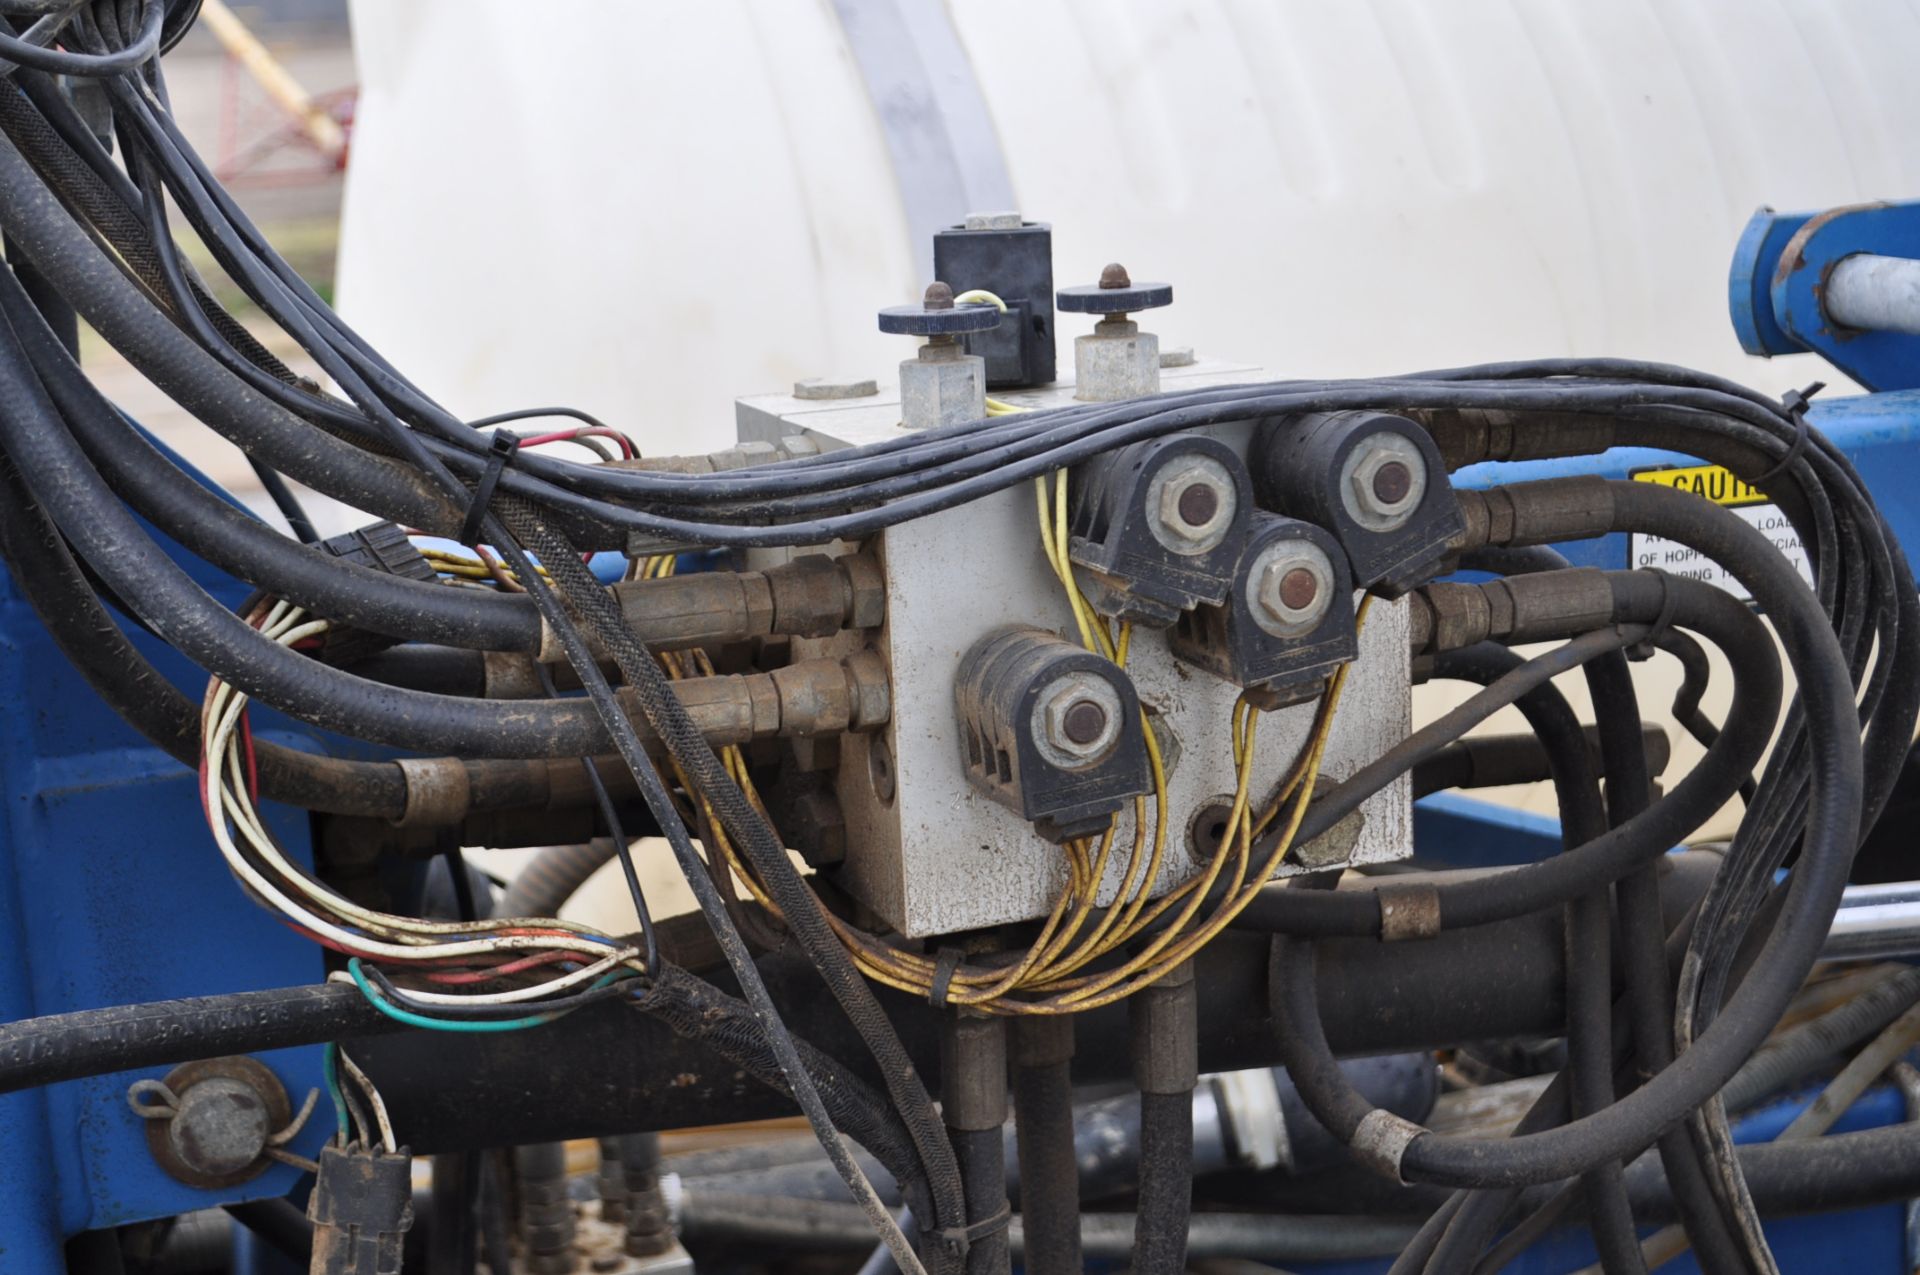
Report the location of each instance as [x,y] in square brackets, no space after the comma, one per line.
[1780,267]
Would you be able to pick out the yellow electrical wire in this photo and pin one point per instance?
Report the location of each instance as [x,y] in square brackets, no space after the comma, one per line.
[1048,976]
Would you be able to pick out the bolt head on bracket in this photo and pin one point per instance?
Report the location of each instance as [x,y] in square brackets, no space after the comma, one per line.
[217,1135]
[938,316]
[1116,293]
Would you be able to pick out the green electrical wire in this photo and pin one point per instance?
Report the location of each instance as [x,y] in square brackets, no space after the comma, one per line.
[330,1068]
[412,1019]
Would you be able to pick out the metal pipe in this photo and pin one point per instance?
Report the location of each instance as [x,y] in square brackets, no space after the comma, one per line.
[1872,293]
[1875,921]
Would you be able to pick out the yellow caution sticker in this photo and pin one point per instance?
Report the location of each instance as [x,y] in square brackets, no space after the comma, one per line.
[1709,482]
[1748,503]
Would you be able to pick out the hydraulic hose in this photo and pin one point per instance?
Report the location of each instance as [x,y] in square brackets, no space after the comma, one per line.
[1814,894]
[1043,1117]
[1641,599]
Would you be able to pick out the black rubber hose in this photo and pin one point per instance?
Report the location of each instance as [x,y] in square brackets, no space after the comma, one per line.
[212,528]
[1588,961]
[96,288]
[1648,988]
[32,432]
[1166,1184]
[279,1222]
[698,1011]
[1641,1117]
[1044,1121]
[113,666]
[983,1176]
[1641,598]
[94,1042]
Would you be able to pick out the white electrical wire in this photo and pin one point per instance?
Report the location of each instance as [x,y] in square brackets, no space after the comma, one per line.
[381,936]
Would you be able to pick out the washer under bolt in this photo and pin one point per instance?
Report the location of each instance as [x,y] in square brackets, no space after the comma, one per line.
[1191,502]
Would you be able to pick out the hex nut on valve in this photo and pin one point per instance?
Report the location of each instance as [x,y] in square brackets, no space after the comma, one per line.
[1049,730]
[1292,585]
[1077,721]
[1193,503]
[1384,479]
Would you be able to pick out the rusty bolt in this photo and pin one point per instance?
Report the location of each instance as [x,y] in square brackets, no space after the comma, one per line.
[939,296]
[1198,503]
[1115,276]
[1298,589]
[1077,719]
[1291,584]
[1392,481]
[1083,722]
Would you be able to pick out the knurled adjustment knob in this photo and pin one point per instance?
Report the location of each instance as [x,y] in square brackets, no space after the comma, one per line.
[938,316]
[1116,293]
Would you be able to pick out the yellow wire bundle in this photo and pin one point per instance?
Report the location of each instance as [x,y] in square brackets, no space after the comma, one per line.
[1051,975]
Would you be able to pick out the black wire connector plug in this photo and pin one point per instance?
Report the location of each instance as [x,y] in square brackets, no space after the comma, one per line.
[361,1207]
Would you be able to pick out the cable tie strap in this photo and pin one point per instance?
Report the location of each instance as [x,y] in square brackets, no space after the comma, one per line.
[1645,647]
[1381,1142]
[1410,911]
[1794,403]
[944,968]
[961,1238]
[505,444]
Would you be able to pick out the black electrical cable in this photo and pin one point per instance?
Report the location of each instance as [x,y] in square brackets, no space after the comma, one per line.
[610,816]
[797,902]
[21,50]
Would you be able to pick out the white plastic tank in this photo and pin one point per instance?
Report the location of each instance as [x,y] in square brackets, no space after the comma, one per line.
[645,209]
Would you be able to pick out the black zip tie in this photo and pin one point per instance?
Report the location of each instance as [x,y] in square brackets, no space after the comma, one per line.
[962,1238]
[1645,647]
[505,444]
[1795,403]
[944,968]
